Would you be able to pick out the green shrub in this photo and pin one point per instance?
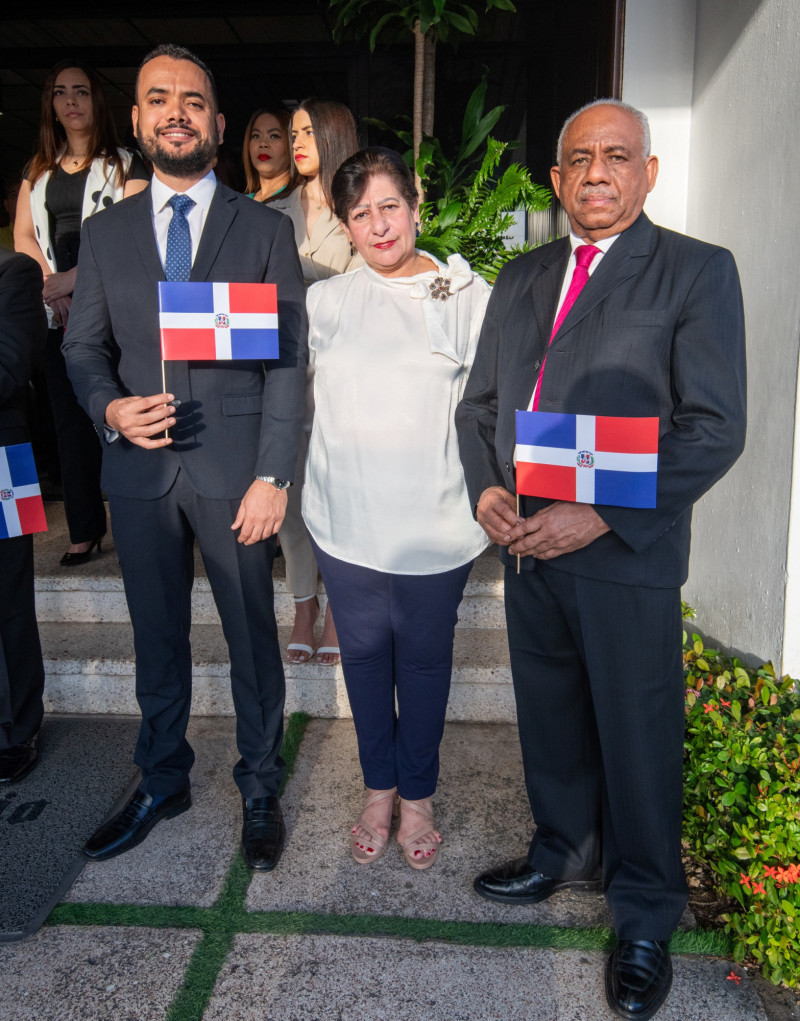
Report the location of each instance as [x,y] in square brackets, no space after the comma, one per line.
[741,807]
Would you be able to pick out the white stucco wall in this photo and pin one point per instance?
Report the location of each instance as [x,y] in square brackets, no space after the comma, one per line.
[720,82]
[657,78]
[744,193]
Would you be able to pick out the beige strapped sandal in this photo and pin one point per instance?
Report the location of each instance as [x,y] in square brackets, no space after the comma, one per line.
[367,849]
[420,853]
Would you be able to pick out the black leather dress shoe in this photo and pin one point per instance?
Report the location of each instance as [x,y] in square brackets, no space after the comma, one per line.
[130,826]
[17,762]
[263,833]
[638,978]
[515,882]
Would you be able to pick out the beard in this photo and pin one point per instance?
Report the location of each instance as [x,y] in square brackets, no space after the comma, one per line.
[176,162]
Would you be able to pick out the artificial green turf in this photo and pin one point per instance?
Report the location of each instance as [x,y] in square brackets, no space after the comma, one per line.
[228,917]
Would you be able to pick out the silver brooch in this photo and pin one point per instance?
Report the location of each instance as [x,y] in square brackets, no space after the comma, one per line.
[440,288]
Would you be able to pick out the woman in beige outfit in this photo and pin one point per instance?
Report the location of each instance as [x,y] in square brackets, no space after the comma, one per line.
[323,135]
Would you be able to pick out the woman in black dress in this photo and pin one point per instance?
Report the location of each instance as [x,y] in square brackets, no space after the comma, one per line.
[78,169]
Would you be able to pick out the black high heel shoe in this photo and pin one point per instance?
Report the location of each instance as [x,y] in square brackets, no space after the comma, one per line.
[76,559]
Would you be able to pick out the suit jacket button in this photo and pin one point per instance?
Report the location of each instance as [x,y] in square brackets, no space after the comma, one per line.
[536,366]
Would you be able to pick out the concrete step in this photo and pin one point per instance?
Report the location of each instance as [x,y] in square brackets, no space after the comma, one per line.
[94,592]
[90,669]
[88,644]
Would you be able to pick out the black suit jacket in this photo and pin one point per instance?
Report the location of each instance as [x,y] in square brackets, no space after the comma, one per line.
[238,419]
[657,330]
[23,332]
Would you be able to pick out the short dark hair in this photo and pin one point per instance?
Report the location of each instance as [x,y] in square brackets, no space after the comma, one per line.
[350,180]
[335,135]
[177,53]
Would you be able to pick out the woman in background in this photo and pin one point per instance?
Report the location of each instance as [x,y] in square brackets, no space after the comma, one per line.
[266,155]
[390,348]
[323,135]
[77,170]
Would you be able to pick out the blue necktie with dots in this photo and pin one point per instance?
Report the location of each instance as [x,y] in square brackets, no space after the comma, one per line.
[178,261]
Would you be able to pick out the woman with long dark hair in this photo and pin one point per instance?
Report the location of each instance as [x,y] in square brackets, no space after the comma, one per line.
[323,135]
[77,170]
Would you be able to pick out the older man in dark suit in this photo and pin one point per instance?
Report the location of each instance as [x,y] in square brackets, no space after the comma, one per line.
[23,332]
[210,459]
[625,319]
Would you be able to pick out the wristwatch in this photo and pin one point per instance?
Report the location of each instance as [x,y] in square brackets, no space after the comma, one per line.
[277,483]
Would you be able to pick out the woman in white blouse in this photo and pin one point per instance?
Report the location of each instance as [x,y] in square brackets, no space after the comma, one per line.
[391,345]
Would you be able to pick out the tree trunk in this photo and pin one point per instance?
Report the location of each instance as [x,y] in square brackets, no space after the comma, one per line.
[419,91]
[424,92]
[429,82]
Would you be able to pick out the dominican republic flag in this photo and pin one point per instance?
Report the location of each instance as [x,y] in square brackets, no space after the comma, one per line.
[587,458]
[212,322]
[20,496]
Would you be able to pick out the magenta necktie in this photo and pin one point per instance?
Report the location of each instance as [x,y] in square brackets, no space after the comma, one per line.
[583,260]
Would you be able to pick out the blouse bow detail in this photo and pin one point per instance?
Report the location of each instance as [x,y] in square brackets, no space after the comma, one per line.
[441,314]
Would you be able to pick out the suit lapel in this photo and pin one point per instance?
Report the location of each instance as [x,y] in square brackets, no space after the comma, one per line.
[547,287]
[221,214]
[140,211]
[619,264]
[325,225]
[531,340]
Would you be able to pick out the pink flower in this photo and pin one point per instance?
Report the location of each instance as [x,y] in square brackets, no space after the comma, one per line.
[709,707]
[733,977]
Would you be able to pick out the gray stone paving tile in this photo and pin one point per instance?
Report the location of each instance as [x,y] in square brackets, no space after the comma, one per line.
[69,973]
[184,860]
[331,978]
[481,810]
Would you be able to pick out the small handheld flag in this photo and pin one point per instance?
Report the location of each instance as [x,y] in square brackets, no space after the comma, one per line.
[587,458]
[203,321]
[22,510]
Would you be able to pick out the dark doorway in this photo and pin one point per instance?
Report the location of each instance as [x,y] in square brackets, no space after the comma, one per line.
[549,58]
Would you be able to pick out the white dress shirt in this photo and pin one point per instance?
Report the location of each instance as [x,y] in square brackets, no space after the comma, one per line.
[202,193]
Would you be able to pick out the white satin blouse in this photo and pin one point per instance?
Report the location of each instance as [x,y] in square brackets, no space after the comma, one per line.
[384,487]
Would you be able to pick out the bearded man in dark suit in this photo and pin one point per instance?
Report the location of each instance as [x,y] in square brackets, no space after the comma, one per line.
[656,330]
[210,459]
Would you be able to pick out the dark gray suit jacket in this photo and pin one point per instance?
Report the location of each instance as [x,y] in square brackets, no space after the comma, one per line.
[23,332]
[657,330]
[237,419]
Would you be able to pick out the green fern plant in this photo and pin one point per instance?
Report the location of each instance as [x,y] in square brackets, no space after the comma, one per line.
[475,217]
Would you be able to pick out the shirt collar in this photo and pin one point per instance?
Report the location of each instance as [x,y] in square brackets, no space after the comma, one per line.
[603,245]
[202,192]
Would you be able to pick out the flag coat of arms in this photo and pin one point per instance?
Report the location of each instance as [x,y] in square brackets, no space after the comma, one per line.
[20,497]
[587,458]
[203,321]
